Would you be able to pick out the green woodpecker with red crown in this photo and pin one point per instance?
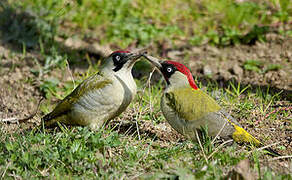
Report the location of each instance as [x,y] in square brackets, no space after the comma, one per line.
[188,109]
[100,97]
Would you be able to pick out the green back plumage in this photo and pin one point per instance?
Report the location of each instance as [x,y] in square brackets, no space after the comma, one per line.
[93,82]
[191,104]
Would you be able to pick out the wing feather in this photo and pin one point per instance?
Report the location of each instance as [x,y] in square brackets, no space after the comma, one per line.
[191,104]
[95,81]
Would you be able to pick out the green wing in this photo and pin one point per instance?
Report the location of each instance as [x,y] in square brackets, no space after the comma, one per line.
[191,104]
[96,81]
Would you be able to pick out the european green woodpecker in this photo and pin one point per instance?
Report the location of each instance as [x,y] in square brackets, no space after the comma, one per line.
[188,109]
[100,97]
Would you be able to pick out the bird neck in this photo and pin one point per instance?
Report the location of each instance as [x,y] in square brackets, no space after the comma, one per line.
[124,75]
[179,80]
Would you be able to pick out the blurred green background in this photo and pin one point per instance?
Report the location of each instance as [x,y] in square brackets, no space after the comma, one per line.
[124,23]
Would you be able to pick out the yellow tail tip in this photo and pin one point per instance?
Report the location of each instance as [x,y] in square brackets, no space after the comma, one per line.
[242,136]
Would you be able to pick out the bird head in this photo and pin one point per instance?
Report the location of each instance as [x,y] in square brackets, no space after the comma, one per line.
[175,73]
[122,60]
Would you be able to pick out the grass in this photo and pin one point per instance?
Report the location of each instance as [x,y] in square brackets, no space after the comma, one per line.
[80,152]
[74,152]
[113,153]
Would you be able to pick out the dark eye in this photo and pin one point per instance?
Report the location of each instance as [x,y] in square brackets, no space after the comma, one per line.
[119,60]
[169,69]
[117,57]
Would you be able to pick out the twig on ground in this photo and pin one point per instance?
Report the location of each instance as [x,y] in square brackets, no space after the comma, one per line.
[264,147]
[219,147]
[219,132]
[277,110]
[70,72]
[267,146]
[10,120]
[4,172]
[149,91]
[198,138]
[276,25]
[137,127]
[140,104]
[21,120]
[281,157]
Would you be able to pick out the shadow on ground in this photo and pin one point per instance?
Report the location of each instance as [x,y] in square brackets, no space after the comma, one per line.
[22,30]
[18,28]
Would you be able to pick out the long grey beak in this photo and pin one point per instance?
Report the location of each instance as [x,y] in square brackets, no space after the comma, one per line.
[134,56]
[156,62]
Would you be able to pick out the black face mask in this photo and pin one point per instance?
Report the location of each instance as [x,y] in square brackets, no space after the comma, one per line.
[119,60]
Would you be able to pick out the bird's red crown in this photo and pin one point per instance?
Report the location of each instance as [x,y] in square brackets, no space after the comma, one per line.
[183,69]
[121,51]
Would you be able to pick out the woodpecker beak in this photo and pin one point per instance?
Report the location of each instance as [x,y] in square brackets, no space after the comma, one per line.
[156,62]
[133,56]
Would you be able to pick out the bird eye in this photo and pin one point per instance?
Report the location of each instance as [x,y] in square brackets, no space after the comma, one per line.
[169,69]
[118,58]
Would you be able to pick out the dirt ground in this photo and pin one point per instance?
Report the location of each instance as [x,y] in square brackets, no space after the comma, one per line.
[19,91]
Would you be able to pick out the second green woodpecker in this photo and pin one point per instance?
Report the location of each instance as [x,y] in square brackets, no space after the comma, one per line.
[188,109]
[100,97]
